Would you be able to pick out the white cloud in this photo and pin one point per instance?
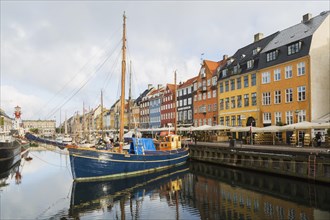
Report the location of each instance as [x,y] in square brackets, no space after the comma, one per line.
[49,46]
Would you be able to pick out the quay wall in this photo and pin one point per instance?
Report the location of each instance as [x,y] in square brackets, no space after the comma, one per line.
[307,163]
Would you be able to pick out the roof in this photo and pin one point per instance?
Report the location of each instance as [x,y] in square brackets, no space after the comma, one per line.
[188,82]
[245,54]
[296,32]
[211,65]
[145,92]
[170,87]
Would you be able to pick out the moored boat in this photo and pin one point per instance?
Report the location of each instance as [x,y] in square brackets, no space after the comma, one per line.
[10,151]
[142,156]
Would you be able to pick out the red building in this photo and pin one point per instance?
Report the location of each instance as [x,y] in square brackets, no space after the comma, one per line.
[167,106]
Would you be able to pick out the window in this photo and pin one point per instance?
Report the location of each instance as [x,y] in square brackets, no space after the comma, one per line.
[227,103]
[238,83]
[221,87]
[215,107]
[189,101]
[233,102]
[214,93]
[301,68]
[209,121]
[232,84]
[246,81]
[267,118]
[227,120]
[227,86]
[294,48]
[246,100]
[221,104]
[239,101]
[265,78]
[301,93]
[239,121]
[221,120]
[254,99]
[277,97]
[253,79]
[209,94]
[266,98]
[288,72]
[289,117]
[189,114]
[301,115]
[224,72]
[272,55]
[288,95]
[250,64]
[195,86]
[204,96]
[233,120]
[184,102]
[277,75]
[236,68]
[278,117]
[214,81]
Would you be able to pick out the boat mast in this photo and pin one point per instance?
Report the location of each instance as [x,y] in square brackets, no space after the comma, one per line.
[175,100]
[123,71]
[130,96]
[101,122]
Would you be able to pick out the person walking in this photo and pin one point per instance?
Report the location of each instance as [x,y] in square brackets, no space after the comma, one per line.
[318,138]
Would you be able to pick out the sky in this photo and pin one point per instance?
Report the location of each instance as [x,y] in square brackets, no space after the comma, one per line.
[57,56]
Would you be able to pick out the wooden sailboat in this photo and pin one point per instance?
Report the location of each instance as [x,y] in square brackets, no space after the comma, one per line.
[142,157]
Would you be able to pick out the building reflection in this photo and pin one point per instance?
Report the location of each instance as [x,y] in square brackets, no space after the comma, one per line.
[225,193]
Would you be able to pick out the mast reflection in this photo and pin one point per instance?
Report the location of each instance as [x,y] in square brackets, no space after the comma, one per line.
[87,197]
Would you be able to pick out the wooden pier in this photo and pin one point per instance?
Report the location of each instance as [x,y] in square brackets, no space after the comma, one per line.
[301,162]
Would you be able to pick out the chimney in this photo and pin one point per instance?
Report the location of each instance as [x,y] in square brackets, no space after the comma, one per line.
[306,17]
[149,86]
[225,57]
[159,86]
[258,37]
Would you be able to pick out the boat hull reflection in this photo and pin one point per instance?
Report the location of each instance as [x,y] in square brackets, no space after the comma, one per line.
[95,195]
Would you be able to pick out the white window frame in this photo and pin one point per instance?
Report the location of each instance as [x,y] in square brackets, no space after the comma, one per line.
[266,98]
[301,93]
[288,93]
[277,74]
[277,97]
[265,78]
[288,72]
[301,69]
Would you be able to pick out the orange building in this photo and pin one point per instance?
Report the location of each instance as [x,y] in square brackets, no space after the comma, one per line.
[205,94]
[294,74]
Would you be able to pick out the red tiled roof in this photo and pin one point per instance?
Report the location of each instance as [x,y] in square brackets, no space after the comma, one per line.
[188,82]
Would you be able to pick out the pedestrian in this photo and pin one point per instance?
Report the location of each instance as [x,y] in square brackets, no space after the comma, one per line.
[318,138]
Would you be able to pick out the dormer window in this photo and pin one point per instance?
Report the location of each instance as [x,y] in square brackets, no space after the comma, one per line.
[250,64]
[224,72]
[256,51]
[203,74]
[272,55]
[230,61]
[236,68]
[294,48]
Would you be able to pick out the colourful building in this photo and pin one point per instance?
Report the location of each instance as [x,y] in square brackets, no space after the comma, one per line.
[294,74]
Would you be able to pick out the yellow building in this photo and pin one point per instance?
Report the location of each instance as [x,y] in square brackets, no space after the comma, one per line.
[237,85]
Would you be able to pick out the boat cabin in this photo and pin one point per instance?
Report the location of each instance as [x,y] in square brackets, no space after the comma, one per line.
[170,142]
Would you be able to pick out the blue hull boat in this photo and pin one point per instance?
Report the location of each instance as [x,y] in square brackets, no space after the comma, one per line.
[89,163]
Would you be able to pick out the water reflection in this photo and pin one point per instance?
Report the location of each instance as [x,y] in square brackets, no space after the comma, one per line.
[225,193]
[192,191]
[128,194]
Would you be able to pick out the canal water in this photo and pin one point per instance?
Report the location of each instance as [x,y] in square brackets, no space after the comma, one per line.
[42,188]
